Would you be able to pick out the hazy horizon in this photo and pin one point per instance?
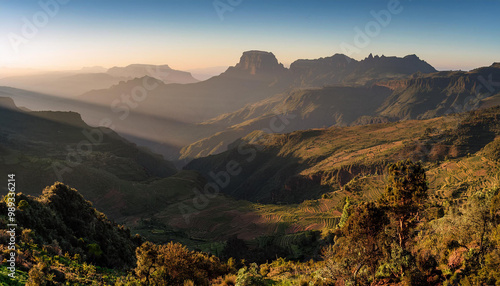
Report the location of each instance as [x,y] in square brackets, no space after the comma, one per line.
[68,35]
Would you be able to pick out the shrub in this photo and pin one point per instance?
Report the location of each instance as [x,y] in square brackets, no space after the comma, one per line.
[492,150]
[174,263]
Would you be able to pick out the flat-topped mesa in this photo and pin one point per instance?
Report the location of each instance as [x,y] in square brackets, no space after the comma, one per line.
[161,72]
[258,62]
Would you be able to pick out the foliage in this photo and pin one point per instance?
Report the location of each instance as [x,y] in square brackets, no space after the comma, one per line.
[492,150]
[345,213]
[250,276]
[458,247]
[173,264]
[360,247]
[405,193]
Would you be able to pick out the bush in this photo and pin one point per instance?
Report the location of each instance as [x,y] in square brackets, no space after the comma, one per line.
[250,277]
[174,263]
[492,150]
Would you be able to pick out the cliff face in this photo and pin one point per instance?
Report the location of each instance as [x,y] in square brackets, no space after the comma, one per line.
[429,95]
[257,64]
[407,65]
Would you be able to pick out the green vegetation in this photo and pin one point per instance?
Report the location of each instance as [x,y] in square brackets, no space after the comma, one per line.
[332,206]
[395,239]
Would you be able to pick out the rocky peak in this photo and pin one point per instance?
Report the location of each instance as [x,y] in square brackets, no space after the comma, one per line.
[259,62]
[406,65]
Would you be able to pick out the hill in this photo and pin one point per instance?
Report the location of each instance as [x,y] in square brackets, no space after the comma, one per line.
[297,110]
[302,165]
[61,214]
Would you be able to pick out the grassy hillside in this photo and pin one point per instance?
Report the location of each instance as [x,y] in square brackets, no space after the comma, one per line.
[453,186]
[304,164]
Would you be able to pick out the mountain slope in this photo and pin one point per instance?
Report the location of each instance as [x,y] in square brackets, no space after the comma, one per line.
[62,215]
[436,94]
[304,164]
[50,146]
[302,109]
[66,84]
[130,185]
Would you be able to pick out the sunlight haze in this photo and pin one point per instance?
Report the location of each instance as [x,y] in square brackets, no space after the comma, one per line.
[194,34]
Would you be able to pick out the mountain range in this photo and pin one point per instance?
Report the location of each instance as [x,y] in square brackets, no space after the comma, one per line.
[259,162]
[183,110]
[419,96]
[73,83]
[190,120]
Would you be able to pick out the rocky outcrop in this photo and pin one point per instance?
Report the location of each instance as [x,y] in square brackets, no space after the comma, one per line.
[407,65]
[257,63]
[341,69]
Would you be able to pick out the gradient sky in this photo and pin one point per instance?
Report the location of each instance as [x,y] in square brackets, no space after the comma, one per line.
[190,34]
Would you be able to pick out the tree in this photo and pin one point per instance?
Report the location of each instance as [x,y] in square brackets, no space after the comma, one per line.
[345,213]
[146,261]
[364,229]
[405,193]
[360,248]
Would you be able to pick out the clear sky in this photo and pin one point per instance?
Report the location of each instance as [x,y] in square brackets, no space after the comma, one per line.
[190,34]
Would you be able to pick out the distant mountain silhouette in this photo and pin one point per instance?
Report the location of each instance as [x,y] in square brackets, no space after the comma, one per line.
[257,63]
[73,83]
[340,69]
[161,72]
